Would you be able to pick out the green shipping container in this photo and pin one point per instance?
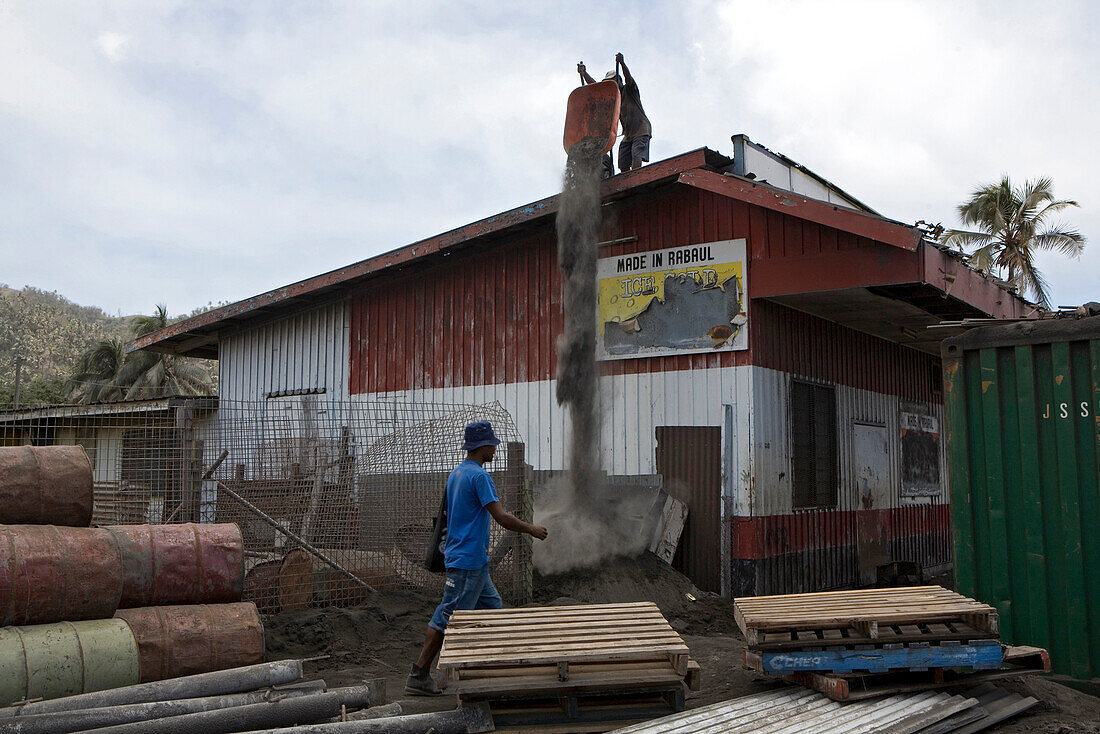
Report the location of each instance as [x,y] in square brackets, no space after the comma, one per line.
[1023,441]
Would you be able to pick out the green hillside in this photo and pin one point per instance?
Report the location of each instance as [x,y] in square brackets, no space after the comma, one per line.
[44,334]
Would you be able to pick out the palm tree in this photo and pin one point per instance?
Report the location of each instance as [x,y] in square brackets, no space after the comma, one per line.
[93,379]
[105,373]
[1008,220]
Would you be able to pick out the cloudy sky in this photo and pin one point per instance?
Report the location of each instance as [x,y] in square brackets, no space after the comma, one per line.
[193,152]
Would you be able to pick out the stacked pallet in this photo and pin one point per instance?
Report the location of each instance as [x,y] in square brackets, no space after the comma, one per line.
[588,666]
[86,609]
[856,644]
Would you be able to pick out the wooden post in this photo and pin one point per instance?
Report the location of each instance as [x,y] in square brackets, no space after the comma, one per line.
[518,479]
[190,467]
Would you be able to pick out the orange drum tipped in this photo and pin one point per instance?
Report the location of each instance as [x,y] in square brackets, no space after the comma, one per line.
[592,112]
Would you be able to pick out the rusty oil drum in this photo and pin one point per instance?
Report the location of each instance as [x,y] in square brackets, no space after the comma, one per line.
[184,640]
[66,658]
[187,563]
[49,574]
[45,485]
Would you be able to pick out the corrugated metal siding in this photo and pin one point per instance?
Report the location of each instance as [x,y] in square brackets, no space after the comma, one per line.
[821,544]
[493,316]
[302,352]
[791,341]
[633,406]
[690,460]
[795,710]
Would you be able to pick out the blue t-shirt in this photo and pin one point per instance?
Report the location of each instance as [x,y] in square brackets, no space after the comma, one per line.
[469,489]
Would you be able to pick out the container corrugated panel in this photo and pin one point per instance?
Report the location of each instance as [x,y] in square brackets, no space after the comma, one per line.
[306,351]
[1024,452]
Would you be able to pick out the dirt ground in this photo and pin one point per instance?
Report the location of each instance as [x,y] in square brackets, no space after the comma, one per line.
[380,639]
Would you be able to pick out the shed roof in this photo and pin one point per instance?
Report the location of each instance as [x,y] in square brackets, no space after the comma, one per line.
[701,168]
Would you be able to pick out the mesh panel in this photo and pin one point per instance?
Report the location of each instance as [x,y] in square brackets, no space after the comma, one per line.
[358,482]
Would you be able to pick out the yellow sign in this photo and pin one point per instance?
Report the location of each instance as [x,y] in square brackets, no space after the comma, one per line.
[675,300]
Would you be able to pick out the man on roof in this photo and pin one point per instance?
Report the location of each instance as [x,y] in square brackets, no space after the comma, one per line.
[634,148]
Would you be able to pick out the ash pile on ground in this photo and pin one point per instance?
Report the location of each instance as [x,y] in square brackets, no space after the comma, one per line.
[388,627]
[641,578]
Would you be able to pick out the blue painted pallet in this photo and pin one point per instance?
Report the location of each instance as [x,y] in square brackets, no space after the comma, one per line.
[976,655]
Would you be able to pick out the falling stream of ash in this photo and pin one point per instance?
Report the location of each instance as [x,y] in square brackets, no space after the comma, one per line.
[582,531]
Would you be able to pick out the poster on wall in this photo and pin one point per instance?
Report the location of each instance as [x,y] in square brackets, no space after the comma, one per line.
[920,455]
[678,300]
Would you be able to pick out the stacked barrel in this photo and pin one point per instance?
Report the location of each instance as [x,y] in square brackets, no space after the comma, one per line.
[85,609]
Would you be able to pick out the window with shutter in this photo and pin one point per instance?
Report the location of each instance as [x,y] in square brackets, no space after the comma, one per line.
[813,445]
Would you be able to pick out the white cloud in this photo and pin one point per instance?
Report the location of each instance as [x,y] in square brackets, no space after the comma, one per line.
[243,147]
[112,45]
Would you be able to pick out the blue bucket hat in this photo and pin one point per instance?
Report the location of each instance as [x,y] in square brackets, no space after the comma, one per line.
[479,434]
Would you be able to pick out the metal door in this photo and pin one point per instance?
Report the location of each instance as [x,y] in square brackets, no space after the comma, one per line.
[690,460]
[870,469]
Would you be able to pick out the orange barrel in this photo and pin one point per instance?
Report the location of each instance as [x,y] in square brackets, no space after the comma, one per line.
[183,640]
[49,574]
[45,485]
[180,564]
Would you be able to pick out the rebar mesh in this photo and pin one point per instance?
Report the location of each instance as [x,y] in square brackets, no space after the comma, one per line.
[358,483]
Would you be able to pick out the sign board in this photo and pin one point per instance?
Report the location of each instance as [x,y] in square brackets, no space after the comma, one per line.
[677,300]
[920,455]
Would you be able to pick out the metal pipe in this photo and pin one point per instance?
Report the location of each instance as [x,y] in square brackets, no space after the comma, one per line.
[386,710]
[284,712]
[465,720]
[63,722]
[234,680]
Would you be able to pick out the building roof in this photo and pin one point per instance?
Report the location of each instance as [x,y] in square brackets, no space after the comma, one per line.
[121,407]
[701,168]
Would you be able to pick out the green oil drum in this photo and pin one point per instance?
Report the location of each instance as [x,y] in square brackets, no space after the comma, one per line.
[66,658]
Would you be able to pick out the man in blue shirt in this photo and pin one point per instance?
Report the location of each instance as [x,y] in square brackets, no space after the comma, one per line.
[471,501]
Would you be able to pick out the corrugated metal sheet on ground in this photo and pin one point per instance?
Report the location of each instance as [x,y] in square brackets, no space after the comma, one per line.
[791,710]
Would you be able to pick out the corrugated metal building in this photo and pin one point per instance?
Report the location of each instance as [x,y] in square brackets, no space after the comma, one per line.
[802,428]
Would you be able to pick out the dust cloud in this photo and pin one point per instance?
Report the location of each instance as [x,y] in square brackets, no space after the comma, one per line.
[585,527]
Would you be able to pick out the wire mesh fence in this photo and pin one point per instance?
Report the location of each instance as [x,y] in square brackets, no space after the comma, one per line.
[331,497]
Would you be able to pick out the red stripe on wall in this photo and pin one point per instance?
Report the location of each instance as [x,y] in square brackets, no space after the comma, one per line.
[755,538]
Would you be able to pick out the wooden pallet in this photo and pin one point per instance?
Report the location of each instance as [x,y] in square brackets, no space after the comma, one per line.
[596,711]
[1017,661]
[496,654]
[918,656]
[845,617]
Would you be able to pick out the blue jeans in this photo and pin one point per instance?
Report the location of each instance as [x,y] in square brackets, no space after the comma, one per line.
[465,590]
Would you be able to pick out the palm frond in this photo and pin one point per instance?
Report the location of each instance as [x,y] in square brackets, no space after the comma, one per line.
[1068,242]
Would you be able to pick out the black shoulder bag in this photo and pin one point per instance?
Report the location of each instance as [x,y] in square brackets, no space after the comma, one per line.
[433,559]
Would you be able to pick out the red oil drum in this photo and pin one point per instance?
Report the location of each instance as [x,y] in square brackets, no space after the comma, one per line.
[180,564]
[49,574]
[45,485]
[183,640]
[261,586]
